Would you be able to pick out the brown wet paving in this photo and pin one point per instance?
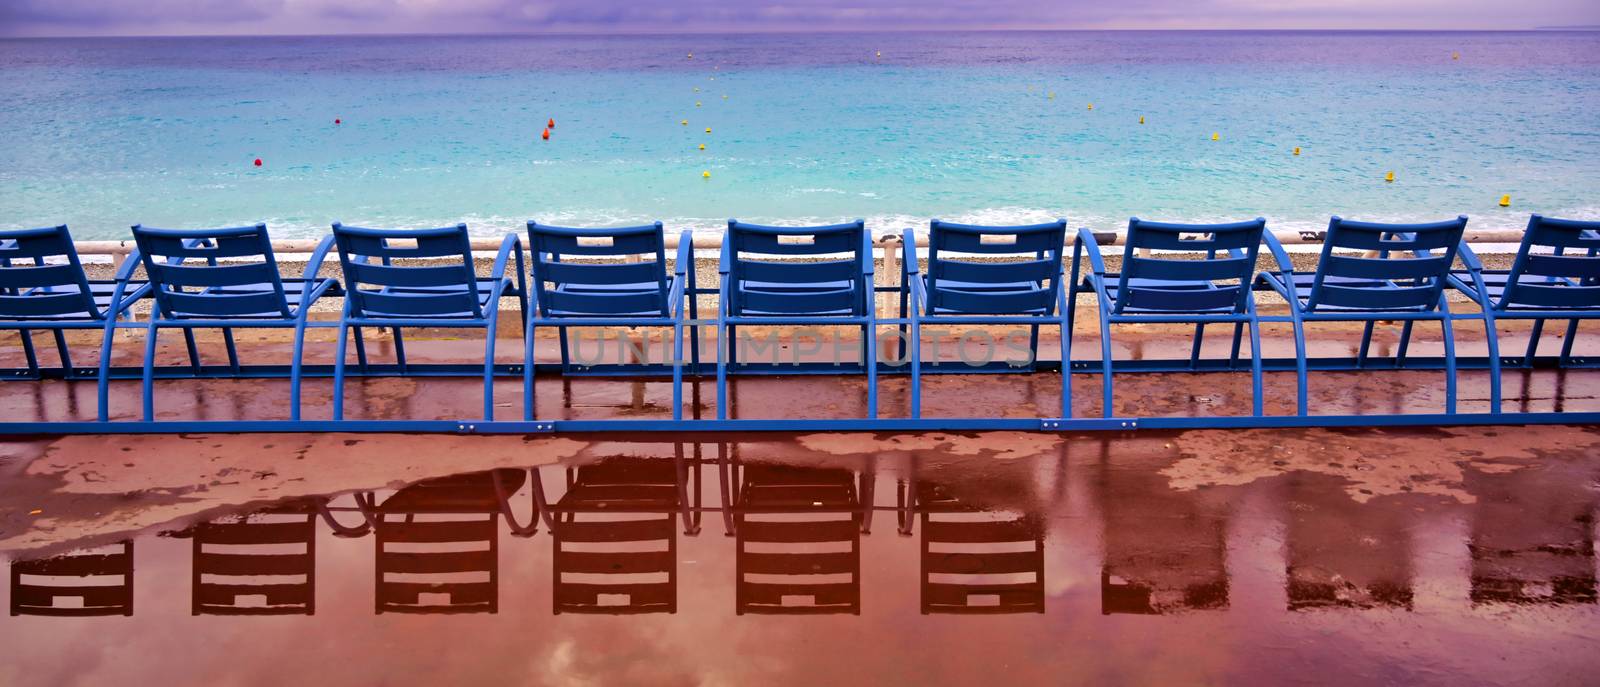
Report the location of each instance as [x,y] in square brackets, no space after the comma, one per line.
[1446,556]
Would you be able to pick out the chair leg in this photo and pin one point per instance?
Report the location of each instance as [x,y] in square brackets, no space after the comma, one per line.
[361,348]
[27,350]
[1066,364]
[338,372]
[1301,382]
[147,380]
[1033,346]
[1199,341]
[295,365]
[566,360]
[723,346]
[400,350]
[1492,337]
[194,349]
[66,355]
[1366,344]
[103,380]
[1233,353]
[1405,343]
[916,367]
[1566,345]
[1446,323]
[1105,365]
[527,372]
[488,368]
[1533,343]
[677,371]
[233,351]
[1256,404]
[870,352]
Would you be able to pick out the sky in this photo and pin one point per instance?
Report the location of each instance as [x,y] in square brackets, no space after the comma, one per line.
[253,17]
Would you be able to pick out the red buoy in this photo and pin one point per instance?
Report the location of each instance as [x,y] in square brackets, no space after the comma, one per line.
[552,123]
[545,135]
[258,162]
[337,121]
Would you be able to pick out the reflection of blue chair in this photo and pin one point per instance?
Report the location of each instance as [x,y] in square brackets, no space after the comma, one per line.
[1403,280]
[193,289]
[35,295]
[1015,279]
[796,276]
[1539,286]
[608,294]
[1169,288]
[444,291]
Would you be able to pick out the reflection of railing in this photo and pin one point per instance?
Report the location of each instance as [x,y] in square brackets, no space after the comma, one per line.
[88,590]
[1533,540]
[230,557]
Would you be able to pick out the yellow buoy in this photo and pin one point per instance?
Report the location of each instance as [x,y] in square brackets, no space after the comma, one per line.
[1216,136]
[691,56]
[1052,95]
[706,174]
[1505,200]
[702,146]
[1091,106]
[708,129]
[697,103]
[1297,150]
[1455,56]
[684,122]
[1141,119]
[1389,177]
[724,96]
[879,54]
[697,89]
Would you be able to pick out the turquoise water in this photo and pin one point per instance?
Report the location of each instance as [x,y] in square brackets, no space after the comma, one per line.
[103,133]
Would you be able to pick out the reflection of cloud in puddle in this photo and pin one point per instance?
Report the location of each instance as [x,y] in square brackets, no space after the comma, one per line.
[999,445]
[1373,463]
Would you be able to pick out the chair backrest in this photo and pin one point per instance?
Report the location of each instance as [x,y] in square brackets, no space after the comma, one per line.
[976,560]
[379,288]
[100,582]
[1017,269]
[1408,272]
[1559,279]
[191,280]
[30,287]
[1157,277]
[798,270]
[599,289]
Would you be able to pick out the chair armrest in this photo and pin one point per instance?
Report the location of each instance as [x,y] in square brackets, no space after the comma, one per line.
[725,264]
[1086,244]
[1279,255]
[908,261]
[1469,258]
[314,265]
[868,264]
[685,264]
[510,245]
[129,264]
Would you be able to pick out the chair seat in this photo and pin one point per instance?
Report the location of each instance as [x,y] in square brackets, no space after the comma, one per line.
[484,288]
[1113,281]
[1494,285]
[796,291]
[293,289]
[101,291]
[1304,282]
[648,288]
[987,288]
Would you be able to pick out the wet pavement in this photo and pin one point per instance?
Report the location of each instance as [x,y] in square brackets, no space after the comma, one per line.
[1450,556]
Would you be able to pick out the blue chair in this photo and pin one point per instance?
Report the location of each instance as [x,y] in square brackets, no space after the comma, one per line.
[37,294]
[445,292]
[819,275]
[608,294]
[981,275]
[1539,286]
[193,287]
[1400,276]
[1163,287]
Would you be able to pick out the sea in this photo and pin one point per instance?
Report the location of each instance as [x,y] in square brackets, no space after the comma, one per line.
[894,128]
